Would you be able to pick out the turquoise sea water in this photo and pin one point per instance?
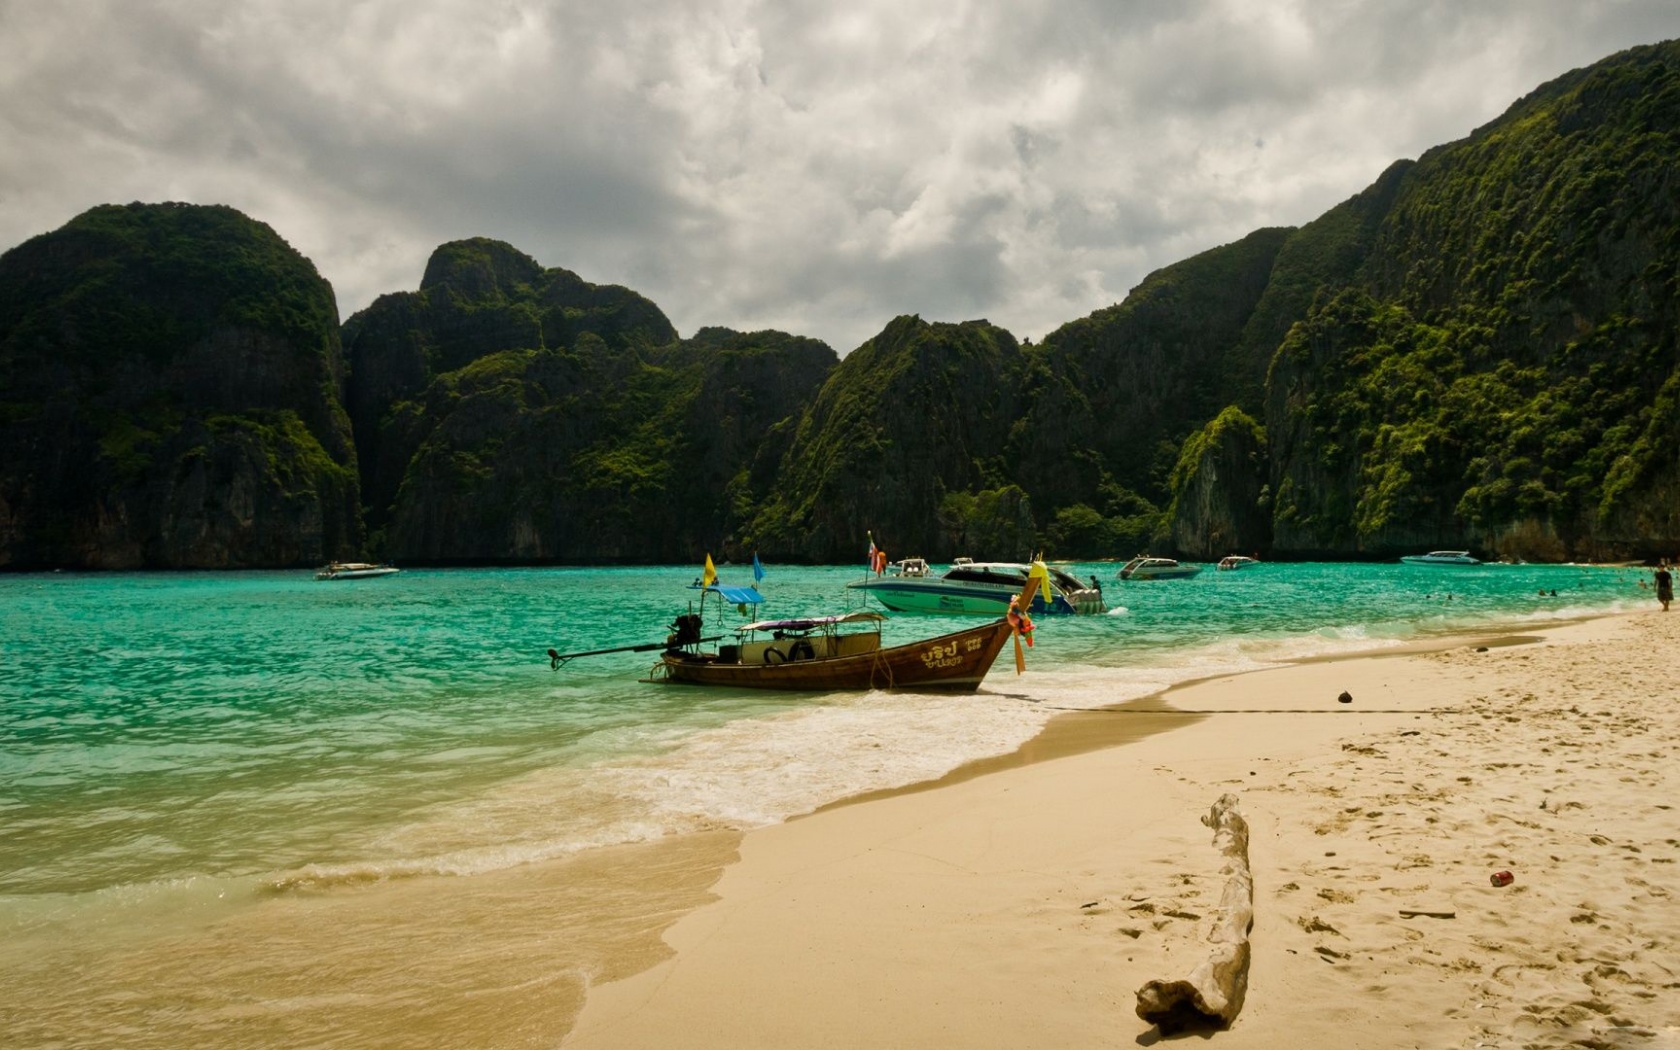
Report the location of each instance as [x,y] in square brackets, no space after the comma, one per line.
[185,755]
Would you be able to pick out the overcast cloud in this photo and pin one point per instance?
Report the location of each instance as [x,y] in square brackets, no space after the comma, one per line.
[814,167]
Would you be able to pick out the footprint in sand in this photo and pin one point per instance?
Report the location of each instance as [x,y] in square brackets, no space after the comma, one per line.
[1314,924]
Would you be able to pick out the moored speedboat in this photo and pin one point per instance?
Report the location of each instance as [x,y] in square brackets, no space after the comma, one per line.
[972,588]
[1441,558]
[1232,562]
[355,570]
[1143,567]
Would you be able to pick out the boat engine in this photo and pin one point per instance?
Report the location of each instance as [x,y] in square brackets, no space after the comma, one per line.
[685,631]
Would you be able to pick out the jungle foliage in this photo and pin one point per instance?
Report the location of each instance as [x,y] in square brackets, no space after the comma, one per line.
[1492,373]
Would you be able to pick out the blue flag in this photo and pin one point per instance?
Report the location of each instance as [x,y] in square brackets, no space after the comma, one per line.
[758,568]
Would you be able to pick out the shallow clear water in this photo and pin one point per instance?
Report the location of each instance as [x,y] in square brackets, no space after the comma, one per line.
[182,755]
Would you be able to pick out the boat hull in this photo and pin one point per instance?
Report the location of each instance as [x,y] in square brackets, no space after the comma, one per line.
[1182,572]
[953,662]
[948,599]
[356,574]
[933,597]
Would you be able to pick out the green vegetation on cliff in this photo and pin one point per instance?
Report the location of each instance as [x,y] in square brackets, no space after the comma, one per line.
[170,396]
[510,413]
[1221,499]
[1500,352]
[904,439]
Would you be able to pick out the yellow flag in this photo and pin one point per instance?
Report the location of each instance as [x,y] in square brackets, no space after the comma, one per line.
[1041,572]
[708,577]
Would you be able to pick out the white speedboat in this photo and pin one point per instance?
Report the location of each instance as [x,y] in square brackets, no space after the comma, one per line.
[973,588]
[1146,568]
[1232,562]
[913,567]
[355,570]
[1441,558]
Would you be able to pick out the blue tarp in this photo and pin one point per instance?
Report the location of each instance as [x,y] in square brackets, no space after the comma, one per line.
[737,595]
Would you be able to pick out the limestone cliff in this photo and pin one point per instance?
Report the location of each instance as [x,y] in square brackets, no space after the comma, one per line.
[584,455]
[904,437]
[1494,370]
[170,397]
[478,297]
[1222,503]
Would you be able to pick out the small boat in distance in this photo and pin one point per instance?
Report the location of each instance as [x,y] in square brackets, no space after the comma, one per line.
[355,570]
[1441,558]
[1232,562]
[980,588]
[813,653]
[1144,567]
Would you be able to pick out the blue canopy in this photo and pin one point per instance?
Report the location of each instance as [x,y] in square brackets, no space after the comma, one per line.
[737,595]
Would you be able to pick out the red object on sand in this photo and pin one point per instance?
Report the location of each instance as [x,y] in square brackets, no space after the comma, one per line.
[1502,878]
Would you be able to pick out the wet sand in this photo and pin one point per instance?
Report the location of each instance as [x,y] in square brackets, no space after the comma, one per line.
[1025,906]
[502,959]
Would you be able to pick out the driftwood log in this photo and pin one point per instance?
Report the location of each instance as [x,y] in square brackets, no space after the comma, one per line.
[1213,993]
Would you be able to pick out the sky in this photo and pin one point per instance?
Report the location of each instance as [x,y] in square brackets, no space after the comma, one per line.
[818,168]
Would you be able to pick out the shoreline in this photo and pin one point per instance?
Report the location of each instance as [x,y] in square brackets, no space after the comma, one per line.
[1077,731]
[910,916]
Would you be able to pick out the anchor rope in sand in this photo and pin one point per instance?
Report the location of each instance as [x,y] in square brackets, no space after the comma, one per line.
[1246,710]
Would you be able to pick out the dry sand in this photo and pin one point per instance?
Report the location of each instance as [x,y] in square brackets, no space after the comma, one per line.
[1024,908]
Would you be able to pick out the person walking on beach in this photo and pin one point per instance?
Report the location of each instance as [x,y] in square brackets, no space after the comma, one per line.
[1665,585]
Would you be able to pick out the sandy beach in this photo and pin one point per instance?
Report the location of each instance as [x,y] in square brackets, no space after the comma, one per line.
[1024,907]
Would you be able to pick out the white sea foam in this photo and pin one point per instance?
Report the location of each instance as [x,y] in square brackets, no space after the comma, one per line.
[718,767]
[742,774]
[749,772]
[647,781]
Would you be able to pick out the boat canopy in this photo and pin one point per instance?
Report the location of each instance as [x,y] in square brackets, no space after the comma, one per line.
[809,622]
[735,595]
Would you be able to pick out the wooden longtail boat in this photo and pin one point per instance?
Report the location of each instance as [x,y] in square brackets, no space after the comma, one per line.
[813,653]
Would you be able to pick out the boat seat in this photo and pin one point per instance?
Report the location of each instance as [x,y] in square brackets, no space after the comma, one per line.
[811,647]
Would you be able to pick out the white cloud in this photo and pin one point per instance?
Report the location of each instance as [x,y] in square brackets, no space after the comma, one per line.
[813,167]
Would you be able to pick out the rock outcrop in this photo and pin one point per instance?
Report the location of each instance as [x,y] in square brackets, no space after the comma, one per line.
[170,397]
[478,298]
[508,413]
[905,438]
[1222,502]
